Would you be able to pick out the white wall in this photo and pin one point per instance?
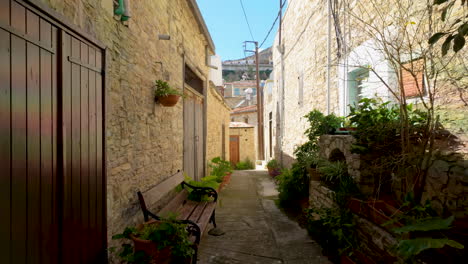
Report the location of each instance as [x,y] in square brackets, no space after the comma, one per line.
[216,76]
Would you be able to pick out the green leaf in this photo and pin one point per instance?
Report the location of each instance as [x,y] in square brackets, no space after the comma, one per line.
[428,224]
[447,44]
[463,29]
[458,42]
[412,247]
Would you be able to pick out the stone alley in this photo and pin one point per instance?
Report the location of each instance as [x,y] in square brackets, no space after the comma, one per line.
[256,230]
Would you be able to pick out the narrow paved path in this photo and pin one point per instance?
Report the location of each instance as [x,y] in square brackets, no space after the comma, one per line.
[256,230]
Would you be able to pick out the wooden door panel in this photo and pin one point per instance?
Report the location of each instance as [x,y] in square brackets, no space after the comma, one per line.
[234,149]
[84,181]
[28,54]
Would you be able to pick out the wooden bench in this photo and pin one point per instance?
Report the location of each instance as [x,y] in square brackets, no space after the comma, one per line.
[196,215]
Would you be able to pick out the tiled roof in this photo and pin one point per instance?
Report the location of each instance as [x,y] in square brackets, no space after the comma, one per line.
[244,84]
[250,108]
[240,124]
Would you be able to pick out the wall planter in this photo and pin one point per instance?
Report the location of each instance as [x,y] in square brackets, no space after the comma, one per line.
[378,212]
[168,100]
[165,94]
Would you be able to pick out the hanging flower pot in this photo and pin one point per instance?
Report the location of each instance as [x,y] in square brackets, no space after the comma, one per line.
[168,100]
[165,94]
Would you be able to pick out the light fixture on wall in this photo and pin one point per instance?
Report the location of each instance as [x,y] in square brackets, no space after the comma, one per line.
[164,37]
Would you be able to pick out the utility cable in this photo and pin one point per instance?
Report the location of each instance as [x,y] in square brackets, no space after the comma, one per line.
[273,25]
[246,20]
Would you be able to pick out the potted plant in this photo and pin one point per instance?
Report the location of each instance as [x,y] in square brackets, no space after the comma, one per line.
[157,241]
[165,94]
[273,168]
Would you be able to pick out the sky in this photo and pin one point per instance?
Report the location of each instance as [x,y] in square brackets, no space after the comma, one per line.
[228,28]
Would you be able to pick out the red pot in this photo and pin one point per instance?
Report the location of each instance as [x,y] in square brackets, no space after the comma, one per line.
[346,260]
[273,172]
[378,212]
[162,256]
[168,100]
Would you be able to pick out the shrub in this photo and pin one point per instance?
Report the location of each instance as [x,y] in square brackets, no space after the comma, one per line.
[167,233]
[319,124]
[273,164]
[209,181]
[219,168]
[293,184]
[247,164]
[334,229]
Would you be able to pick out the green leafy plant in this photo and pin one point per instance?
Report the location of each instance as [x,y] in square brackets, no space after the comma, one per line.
[331,172]
[273,164]
[219,168]
[293,184]
[194,195]
[319,124]
[334,229]
[247,164]
[166,233]
[409,249]
[164,89]
[458,30]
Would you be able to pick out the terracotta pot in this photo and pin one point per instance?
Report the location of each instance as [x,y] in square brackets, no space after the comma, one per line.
[168,100]
[158,256]
[150,248]
[273,172]
[346,260]
[314,174]
[378,212]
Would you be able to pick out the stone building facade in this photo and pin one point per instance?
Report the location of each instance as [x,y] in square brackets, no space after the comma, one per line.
[248,115]
[246,136]
[217,126]
[144,140]
[327,66]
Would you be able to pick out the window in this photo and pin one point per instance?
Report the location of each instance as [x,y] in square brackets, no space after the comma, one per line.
[357,80]
[237,92]
[254,91]
[413,85]
[246,119]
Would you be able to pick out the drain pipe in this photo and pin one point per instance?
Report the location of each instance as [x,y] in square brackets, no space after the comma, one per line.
[328,56]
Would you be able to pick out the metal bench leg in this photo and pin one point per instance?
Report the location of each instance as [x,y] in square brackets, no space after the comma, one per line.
[213,219]
[195,256]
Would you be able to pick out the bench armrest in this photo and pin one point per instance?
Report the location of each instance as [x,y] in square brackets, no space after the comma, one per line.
[206,190]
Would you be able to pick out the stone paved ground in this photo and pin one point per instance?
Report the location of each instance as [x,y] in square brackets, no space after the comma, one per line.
[256,230]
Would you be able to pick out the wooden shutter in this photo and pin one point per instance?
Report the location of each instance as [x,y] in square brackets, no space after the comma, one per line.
[413,85]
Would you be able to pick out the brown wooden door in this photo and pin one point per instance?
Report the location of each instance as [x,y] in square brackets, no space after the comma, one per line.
[51,151]
[234,149]
[193,135]
[83,234]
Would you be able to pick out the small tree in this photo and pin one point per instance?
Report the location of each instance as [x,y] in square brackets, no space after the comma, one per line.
[399,30]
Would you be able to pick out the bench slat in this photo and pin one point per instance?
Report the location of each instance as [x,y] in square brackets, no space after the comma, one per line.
[184,212]
[198,212]
[174,204]
[205,217]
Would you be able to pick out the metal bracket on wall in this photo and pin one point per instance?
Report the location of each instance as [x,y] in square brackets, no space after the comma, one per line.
[85,65]
[27,38]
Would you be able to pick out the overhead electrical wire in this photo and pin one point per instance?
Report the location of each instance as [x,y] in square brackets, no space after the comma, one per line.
[273,25]
[246,20]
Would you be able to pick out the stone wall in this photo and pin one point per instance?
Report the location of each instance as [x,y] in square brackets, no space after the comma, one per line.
[217,120]
[143,139]
[446,184]
[246,142]
[301,63]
